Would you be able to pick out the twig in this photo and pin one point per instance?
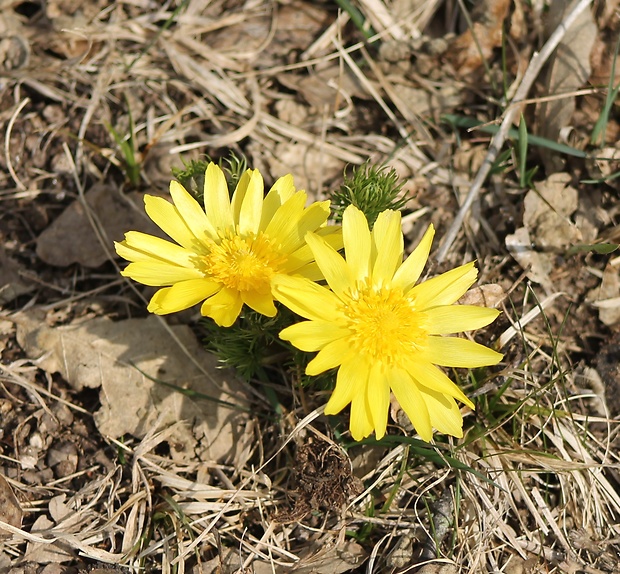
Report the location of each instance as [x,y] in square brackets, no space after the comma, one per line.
[7,143]
[536,63]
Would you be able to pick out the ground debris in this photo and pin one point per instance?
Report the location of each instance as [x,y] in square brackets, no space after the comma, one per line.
[84,233]
[146,380]
[10,509]
[323,480]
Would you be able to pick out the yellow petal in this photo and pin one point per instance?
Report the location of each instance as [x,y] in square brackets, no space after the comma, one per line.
[311,219]
[331,234]
[409,272]
[412,402]
[378,399]
[168,218]
[261,302]
[282,190]
[356,238]
[310,271]
[387,237]
[252,205]
[298,259]
[330,356]
[430,376]
[282,225]
[191,212]
[312,336]
[334,268]
[239,193]
[217,199]
[224,307]
[361,422]
[444,413]
[456,352]
[449,319]
[444,289]
[158,274]
[182,295]
[142,247]
[306,298]
[352,376]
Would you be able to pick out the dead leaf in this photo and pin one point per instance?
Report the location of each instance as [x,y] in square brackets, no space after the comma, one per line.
[71,237]
[12,282]
[58,508]
[334,560]
[10,509]
[605,164]
[547,228]
[269,37]
[311,165]
[438,569]
[471,49]
[603,62]
[547,212]
[488,295]
[329,88]
[606,297]
[125,358]
[14,45]
[568,70]
[47,552]
[538,265]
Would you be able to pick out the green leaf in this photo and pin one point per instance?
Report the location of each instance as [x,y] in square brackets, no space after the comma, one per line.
[599,248]
[522,147]
[600,127]
[470,123]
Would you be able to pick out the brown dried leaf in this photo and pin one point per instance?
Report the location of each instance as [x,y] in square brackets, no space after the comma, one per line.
[547,212]
[12,283]
[47,552]
[310,164]
[125,358]
[10,509]
[537,265]
[568,70]
[606,297]
[605,164]
[546,224]
[71,237]
[328,560]
[488,295]
[471,49]
[329,88]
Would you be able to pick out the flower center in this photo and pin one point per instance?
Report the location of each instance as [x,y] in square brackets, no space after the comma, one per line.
[384,325]
[244,263]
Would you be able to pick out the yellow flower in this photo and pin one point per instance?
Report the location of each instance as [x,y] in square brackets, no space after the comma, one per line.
[229,252]
[383,331]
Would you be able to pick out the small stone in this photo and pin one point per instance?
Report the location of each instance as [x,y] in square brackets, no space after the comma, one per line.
[48,424]
[63,413]
[35,440]
[63,459]
[28,461]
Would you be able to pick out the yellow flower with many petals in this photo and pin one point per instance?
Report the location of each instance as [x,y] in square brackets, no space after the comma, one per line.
[229,252]
[384,332]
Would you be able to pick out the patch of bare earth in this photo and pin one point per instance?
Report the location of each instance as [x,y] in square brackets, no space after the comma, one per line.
[122,445]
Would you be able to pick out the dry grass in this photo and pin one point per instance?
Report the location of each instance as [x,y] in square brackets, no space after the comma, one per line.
[533,486]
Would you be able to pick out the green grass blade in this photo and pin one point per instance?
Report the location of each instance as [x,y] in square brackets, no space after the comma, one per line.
[470,123]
